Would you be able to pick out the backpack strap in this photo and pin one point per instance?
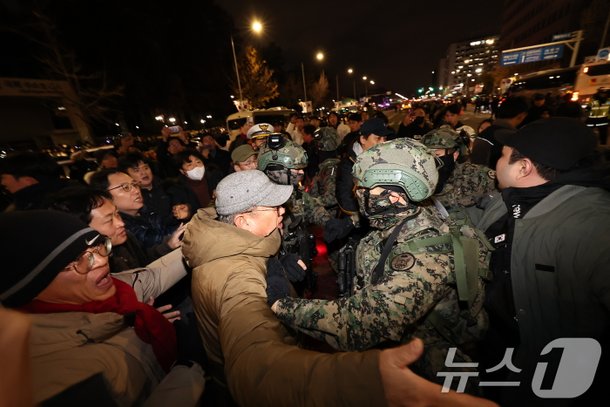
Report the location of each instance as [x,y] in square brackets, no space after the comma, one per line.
[387,248]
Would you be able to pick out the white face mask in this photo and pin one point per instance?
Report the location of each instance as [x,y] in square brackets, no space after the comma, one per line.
[196,174]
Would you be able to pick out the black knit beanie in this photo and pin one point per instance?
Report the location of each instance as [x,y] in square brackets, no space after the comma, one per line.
[34,247]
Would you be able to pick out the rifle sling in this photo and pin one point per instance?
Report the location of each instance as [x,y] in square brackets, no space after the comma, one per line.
[387,248]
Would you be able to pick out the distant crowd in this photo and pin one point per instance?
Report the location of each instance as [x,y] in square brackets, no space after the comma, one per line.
[184,272]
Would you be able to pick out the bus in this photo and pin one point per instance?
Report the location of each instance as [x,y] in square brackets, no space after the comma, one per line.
[557,82]
[581,82]
[591,77]
[271,115]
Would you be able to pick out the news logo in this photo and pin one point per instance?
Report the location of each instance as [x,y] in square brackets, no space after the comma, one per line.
[572,377]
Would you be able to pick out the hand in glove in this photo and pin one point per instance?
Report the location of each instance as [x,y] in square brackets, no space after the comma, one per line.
[294,267]
[337,229]
[278,285]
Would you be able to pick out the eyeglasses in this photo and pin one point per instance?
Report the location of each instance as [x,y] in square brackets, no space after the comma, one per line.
[125,186]
[274,208]
[84,263]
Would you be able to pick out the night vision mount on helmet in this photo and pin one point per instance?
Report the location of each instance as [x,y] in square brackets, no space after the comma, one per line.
[326,138]
[281,152]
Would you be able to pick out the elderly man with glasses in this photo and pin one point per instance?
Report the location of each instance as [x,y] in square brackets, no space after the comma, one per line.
[92,337]
[150,231]
[251,356]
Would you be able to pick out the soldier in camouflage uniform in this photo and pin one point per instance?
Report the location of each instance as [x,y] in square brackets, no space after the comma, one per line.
[284,164]
[283,161]
[459,183]
[323,185]
[413,291]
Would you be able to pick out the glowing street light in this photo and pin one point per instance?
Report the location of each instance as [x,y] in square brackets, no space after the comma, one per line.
[320,56]
[350,72]
[256,27]
[372,82]
[366,89]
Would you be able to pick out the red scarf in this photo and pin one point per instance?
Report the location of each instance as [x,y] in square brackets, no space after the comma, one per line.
[150,325]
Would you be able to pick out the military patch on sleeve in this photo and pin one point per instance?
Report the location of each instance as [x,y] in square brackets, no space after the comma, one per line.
[491,174]
[402,262]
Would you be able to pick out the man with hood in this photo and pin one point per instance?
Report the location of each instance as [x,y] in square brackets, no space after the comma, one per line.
[551,263]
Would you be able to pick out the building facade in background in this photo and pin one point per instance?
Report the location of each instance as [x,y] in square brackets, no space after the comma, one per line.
[38,113]
[466,65]
[526,23]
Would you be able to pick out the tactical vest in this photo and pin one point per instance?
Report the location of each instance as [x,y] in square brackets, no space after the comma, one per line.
[471,254]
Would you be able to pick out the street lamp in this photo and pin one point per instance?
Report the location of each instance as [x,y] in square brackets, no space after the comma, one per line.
[350,72]
[241,95]
[304,83]
[319,57]
[257,28]
[366,87]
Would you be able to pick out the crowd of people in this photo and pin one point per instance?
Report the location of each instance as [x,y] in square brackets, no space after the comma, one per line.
[184,273]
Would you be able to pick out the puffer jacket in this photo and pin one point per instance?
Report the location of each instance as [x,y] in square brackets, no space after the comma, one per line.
[67,348]
[244,340]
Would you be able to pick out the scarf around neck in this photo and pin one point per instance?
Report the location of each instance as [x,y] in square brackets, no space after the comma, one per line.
[150,325]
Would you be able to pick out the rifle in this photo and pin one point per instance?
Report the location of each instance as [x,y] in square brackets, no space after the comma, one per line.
[303,243]
[346,266]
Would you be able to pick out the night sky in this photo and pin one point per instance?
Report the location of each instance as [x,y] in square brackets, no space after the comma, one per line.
[395,42]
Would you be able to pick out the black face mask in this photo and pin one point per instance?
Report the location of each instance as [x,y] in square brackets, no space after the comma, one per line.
[445,172]
[419,120]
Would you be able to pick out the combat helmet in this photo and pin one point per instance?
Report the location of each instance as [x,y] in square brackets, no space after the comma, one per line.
[442,138]
[287,155]
[403,162]
[327,138]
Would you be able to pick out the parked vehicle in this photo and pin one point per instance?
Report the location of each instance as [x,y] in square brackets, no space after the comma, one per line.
[236,120]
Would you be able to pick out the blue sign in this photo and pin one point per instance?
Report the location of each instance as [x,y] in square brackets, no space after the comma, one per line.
[510,58]
[532,55]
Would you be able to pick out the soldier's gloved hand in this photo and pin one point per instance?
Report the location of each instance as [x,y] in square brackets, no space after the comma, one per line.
[278,285]
[337,229]
[289,265]
[294,267]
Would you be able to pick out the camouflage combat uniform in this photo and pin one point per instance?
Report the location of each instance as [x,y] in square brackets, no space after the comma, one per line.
[416,295]
[324,184]
[467,181]
[301,205]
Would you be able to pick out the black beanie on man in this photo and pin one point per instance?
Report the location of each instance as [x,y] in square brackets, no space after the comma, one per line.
[34,247]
